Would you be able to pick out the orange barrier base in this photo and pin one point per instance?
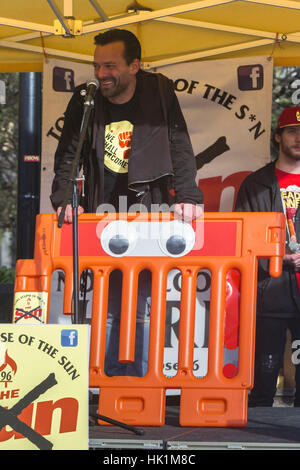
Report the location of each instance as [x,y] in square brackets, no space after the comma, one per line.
[133,406]
[202,407]
[213,407]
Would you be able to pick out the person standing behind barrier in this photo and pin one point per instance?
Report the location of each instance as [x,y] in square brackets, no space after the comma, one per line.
[276,188]
[137,144]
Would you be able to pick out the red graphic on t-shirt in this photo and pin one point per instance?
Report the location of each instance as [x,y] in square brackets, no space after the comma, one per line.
[125,141]
[289,184]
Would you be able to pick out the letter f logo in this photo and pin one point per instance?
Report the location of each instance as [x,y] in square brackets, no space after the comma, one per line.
[69,338]
[250,77]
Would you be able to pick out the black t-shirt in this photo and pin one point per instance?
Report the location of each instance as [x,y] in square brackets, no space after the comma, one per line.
[119,119]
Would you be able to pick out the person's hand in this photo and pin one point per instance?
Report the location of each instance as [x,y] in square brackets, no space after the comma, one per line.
[68,213]
[187,211]
[293,260]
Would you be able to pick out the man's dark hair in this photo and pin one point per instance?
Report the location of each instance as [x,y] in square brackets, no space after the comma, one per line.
[274,142]
[132,45]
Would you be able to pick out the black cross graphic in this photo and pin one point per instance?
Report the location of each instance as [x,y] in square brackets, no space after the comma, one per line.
[9,417]
[29,314]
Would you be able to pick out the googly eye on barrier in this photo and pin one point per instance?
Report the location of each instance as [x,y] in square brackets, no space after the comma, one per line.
[176,238]
[118,238]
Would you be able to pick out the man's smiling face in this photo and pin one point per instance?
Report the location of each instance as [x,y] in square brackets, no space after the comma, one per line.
[117,79]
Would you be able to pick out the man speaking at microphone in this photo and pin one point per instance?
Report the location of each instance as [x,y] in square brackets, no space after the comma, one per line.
[137,144]
[137,147]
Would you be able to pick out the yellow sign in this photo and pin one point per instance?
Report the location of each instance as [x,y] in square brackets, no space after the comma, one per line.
[43,387]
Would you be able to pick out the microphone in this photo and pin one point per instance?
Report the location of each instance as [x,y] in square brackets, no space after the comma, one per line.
[294,247]
[92,87]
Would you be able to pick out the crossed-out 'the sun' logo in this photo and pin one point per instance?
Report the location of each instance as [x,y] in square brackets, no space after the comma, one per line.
[8,366]
[30,306]
[29,310]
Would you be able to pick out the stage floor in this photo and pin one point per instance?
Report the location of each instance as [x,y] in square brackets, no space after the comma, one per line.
[276,428]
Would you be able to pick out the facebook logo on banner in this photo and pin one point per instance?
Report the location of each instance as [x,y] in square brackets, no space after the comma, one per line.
[250,77]
[69,338]
[63,79]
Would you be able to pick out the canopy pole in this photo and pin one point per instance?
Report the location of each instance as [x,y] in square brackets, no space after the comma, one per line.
[29,162]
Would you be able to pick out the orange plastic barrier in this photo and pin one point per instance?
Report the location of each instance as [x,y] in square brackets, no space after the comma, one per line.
[224,242]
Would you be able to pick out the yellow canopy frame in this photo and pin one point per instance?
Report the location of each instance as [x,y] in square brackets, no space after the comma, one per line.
[170,31]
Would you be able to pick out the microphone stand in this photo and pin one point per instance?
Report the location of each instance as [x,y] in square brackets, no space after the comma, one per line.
[73,184]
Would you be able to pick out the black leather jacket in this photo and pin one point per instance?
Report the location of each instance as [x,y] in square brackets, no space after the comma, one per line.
[277,297]
[161,154]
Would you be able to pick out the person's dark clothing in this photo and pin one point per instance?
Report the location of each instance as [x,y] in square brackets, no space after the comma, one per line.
[278,299]
[161,156]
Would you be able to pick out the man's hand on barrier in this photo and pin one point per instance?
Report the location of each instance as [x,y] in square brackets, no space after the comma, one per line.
[187,212]
[68,213]
[292,260]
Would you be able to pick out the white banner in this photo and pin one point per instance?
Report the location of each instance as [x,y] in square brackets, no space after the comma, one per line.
[227,107]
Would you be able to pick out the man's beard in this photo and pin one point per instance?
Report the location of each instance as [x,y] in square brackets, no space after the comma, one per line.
[288,152]
[116,89]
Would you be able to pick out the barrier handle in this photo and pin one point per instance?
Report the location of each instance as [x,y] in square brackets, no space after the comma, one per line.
[98,323]
[187,322]
[217,321]
[275,267]
[128,317]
